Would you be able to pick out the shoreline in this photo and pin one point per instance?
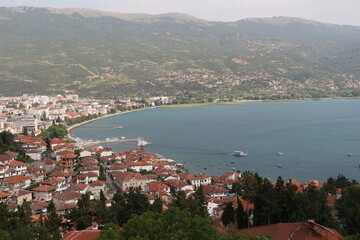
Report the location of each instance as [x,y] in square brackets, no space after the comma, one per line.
[69,128]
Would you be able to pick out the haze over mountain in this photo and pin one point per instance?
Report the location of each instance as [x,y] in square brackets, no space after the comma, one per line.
[91,52]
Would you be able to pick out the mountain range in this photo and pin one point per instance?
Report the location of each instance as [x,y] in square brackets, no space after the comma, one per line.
[104,54]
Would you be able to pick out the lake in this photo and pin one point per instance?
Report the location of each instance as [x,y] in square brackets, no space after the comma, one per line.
[314,137]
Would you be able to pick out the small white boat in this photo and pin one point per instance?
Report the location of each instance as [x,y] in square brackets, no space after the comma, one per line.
[279,166]
[279,153]
[349,154]
[240,154]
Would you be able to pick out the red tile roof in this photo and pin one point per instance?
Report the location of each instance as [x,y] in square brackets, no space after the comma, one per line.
[294,231]
[52,181]
[44,188]
[82,235]
[97,183]
[16,179]
[4,195]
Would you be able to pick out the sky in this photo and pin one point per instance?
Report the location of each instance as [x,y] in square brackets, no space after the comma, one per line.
[344,12]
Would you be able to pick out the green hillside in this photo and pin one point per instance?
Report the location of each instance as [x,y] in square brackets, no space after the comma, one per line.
[51,51]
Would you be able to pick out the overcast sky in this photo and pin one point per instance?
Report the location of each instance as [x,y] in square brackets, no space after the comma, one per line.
[329,11]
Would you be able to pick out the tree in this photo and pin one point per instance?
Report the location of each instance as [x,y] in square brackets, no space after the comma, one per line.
[198,203]
[53,220]
[228,216]
[157,206]
[240,215]
[265,204]
[349,209]
[54,131]
[110,232]
[171,224]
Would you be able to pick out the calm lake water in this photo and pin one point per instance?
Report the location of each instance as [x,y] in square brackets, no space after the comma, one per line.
[314,137]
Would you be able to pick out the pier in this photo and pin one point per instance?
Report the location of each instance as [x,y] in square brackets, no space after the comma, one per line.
[96,142]
[101,126]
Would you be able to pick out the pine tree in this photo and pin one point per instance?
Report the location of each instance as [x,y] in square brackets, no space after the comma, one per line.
[157,206]
[240,215]
[53,221]
[228,216]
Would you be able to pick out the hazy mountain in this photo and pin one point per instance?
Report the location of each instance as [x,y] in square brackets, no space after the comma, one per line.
[45,50]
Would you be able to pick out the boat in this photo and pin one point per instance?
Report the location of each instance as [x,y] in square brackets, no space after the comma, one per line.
[233,169]
[205,168]
[240,154]
[279,166]
[279,153]
[232,162]
[122,138]
[119,126]
[349,154]
[142,142]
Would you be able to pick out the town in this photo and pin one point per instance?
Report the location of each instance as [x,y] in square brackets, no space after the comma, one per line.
[55,169]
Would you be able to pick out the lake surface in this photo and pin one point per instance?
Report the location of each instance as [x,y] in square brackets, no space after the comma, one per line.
[314,137]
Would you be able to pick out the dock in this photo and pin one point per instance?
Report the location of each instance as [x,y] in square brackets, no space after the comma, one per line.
[90,143]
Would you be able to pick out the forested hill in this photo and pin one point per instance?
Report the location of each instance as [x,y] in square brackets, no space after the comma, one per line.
[98,53]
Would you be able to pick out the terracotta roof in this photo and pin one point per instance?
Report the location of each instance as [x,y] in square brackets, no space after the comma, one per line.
[77,187]
[4,157]
[65,206]
[16,179]
[44,188]
[4,195]
[213,189]
[38,205]
[82,235]
[294,231]
[127,176]
[22,192]
[70,155]
[81,176]
[156,186]
[68,196]
[52,181]
[97,183]
[60,174]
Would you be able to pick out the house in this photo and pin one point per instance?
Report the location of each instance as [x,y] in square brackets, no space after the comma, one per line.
[96,187]
[86,153]
[17,182]
[19,168]
[299,230]
[179,185]
[22,196]
[154,188]
[127,180]
[90,169]
[82,179]
[68,198]
[197,180]
[37,175]
[44,192]
[65,175]
[139,165]
[49,164]
[5,158]
[117,167]
[92,176]
[60,183]
[64,208]
[80,188]
[215,191]
[38,208]
[4,197]
[35,154]
[68,161]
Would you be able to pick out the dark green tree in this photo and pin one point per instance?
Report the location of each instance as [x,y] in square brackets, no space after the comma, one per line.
[240,215]
[171,224]
[349,209]
[228,216]
[157,206]
[110,232]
